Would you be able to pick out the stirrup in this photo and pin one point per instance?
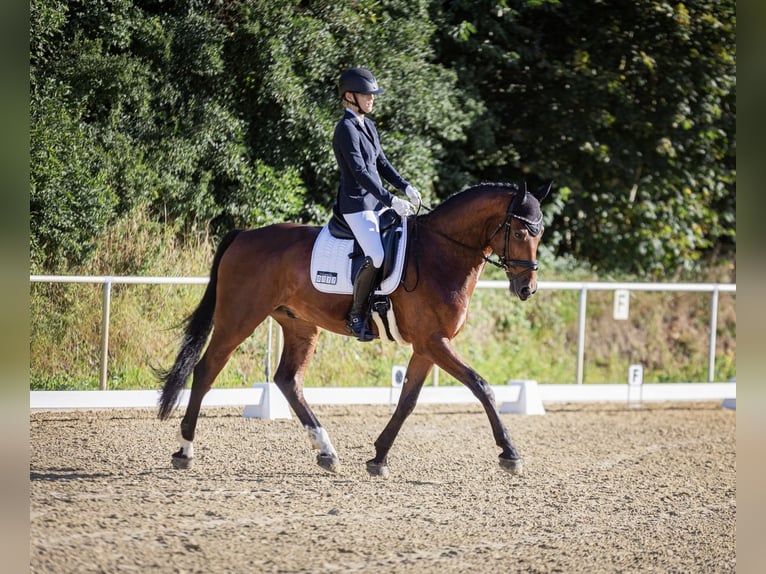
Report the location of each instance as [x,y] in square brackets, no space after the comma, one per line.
[357,326]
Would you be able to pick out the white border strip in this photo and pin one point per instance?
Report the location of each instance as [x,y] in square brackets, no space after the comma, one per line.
[549,393]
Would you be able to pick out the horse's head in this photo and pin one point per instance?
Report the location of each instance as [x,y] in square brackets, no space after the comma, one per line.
[523,229]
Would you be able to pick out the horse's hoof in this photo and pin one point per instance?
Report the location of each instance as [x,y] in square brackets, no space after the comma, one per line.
[329,462]
[379,469]
[181,461]
[513,466]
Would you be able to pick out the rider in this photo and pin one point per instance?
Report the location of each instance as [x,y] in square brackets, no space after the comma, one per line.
[361,195]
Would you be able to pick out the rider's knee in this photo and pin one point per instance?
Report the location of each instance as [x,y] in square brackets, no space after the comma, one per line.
[377,259]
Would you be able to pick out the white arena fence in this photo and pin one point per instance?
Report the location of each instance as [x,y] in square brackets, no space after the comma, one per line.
[584,287]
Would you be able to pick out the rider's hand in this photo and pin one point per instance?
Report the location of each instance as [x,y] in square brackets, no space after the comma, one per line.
[413,194]
[403,208]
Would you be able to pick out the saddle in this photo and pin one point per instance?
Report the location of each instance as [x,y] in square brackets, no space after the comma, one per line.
[390,234]
[337,257]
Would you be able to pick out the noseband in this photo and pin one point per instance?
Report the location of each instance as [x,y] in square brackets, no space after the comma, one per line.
[502,260]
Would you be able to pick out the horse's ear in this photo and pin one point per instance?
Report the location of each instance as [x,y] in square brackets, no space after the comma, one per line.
[541,192]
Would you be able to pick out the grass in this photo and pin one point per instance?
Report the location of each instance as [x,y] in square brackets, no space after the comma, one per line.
[504,338]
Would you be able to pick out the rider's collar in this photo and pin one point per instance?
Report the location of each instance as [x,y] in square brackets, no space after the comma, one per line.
[359,119]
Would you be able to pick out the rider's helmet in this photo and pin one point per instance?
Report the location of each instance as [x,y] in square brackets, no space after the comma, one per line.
[358,81]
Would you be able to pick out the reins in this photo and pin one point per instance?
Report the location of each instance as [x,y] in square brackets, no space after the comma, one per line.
[415,255]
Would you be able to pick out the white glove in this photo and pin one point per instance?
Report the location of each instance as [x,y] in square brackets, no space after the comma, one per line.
[403,208]
[413,194]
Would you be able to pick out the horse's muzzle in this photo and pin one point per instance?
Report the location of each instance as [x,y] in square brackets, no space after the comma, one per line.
[525,290]
[525,293]
[524,283]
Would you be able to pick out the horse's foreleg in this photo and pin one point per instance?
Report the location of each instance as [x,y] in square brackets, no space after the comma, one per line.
[446,357]
[300,340]
[417,371]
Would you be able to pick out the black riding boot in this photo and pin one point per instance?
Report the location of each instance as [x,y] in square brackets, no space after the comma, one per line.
[363,285]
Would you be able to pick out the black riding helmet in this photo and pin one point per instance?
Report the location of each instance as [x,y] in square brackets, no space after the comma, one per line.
[358,81]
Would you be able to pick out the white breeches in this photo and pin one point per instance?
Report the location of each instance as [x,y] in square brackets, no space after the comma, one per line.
[366,228]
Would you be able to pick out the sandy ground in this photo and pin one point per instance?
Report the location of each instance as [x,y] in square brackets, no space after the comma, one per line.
[606,488]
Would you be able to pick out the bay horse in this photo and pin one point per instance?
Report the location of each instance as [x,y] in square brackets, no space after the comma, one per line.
[264,272]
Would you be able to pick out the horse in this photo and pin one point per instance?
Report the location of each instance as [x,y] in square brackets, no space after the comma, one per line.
[263,272]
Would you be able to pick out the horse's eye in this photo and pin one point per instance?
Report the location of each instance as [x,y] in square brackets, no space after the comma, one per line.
[518,235]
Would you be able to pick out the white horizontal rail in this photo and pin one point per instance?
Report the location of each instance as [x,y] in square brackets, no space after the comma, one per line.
[549,393]
[582,286]
[482,284]
[123,279]
[594,286]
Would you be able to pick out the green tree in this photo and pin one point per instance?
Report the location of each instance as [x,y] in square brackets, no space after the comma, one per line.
[285,85]
[212,114]
[629,107]
[221,114]
[70,198]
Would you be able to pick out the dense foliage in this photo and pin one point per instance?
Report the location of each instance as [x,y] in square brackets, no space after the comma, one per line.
[213,114]
[629,106]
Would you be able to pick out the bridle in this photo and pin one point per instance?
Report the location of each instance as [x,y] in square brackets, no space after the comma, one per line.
[502,261]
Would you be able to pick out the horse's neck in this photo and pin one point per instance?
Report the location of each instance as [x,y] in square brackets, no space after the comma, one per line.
[472,223]
[457,238]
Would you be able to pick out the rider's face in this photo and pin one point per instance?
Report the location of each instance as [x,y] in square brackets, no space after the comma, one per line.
[366,101]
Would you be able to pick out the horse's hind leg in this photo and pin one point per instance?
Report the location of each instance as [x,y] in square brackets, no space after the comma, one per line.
[217,354]
[417,371]
[300,339]
[238,312]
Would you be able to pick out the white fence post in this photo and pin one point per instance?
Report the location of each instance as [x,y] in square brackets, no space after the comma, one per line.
[581,334]
[105,331]
[713,329]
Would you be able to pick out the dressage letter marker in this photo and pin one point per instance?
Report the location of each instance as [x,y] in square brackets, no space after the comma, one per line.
[397,376]
[621,304]
[635,385]
[397,380]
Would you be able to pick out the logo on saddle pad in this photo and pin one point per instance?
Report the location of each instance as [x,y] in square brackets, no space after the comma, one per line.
[334,261]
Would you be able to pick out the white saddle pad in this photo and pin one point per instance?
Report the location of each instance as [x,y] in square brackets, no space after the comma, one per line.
[331,265]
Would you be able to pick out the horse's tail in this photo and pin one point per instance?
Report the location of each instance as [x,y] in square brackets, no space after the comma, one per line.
[197,329]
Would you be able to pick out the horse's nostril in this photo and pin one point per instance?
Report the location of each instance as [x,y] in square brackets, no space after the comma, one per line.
[525,292]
